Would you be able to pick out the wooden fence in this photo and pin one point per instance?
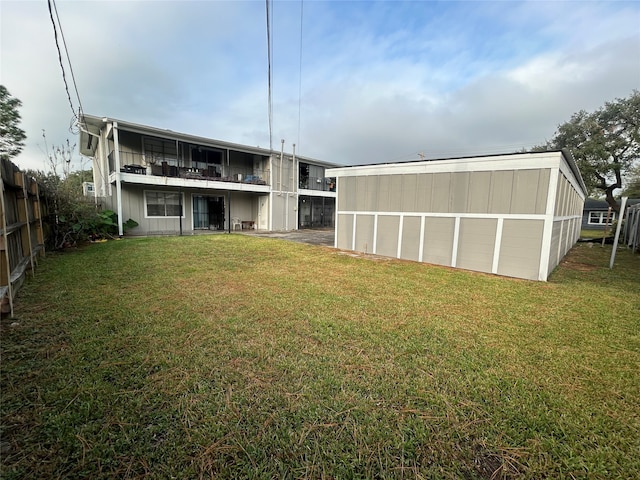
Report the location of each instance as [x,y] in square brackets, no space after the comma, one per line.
[632,228]
[22,239]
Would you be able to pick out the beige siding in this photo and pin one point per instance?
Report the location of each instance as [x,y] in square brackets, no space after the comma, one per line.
[459,192]
[555,242]
[395,193]
[278,218]
[438,240]
[371,194]
[347,193]
[479,192]
[364,233]
[501,191]
[441,192]
[476,244]
[520,248]
[424,191]
[410,248]
[345,232]
[361,194]
[409,193]
[387,235]
[133,206]
[384,189]
[529,192]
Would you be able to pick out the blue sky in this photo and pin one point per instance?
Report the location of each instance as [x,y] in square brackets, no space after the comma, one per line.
[380,81]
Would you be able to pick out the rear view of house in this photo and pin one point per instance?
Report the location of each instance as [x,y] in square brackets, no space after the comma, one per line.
[171,183]
[515,215]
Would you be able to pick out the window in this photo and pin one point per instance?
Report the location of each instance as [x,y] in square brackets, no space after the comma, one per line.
[600,218]
[88,189]
[163,204]
[157,150]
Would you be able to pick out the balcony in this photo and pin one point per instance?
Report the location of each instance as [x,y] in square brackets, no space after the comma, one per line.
[134,163]
[325,184]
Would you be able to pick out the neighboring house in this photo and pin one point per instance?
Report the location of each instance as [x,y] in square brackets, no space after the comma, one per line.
[515,215]
[172,183]
[596,214]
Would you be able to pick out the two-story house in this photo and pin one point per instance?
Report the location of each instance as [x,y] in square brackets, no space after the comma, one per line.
[171,182]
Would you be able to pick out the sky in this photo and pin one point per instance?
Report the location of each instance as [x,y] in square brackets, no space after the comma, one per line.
[352,82]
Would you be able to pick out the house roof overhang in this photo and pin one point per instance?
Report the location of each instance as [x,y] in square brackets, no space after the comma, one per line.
[94,124]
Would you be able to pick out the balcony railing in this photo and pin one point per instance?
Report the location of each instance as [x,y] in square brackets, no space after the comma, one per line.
[327,184]
[134,163]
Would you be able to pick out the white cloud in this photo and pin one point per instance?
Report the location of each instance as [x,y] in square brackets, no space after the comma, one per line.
[380,81]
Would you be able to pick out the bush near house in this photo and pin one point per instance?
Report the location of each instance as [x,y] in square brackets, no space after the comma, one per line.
[228,356]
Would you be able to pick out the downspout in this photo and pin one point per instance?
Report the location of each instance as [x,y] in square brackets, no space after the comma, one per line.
[294,185]
[180,187]
[180,203]
[116,146]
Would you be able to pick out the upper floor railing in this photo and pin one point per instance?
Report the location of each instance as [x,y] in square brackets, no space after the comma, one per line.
[135,163]
[326,184]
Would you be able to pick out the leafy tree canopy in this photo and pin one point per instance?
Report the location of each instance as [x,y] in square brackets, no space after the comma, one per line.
[632,189]
[604,143]
[11,135]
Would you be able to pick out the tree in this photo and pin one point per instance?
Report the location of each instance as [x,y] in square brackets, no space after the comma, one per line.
[11,135]
[73,217]
[632,189]
[604,143]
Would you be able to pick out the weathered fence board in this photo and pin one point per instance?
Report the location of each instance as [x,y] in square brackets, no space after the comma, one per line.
[22,238]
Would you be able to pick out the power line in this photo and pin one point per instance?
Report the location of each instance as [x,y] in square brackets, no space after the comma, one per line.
[75,116]
[269,75]
[64,77]
[66,51]
[300,74]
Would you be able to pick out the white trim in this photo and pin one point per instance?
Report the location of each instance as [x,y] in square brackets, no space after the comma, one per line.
[527,216]
[566,217]
[421,246]
[525,161]
[353,233]
[456,237]
[144,201]
[603,217]
[561,245]
[571,178]
[375,234]
[497,245]
[547,230]
[316,193]
[116,146]
[400,228]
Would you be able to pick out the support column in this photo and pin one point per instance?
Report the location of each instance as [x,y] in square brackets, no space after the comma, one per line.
[116,146]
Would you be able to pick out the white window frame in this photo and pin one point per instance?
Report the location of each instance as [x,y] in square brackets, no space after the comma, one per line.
[600,218]
[164,192]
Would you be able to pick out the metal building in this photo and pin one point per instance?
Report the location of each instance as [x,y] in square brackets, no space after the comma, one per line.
[515,215]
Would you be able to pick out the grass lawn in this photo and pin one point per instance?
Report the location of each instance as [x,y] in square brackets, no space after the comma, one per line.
[596,234]
[228,356]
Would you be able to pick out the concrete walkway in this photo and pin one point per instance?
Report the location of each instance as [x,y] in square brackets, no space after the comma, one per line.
[324,236]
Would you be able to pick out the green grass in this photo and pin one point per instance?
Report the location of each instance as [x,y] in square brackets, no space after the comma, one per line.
[229,356]
[597,234]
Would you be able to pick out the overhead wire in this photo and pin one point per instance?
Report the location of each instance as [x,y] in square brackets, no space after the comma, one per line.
[300,74]
[75,116]
[64,76]
[269,76]
[66,51]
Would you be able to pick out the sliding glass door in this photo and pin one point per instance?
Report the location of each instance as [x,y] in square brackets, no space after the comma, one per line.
[208,213]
